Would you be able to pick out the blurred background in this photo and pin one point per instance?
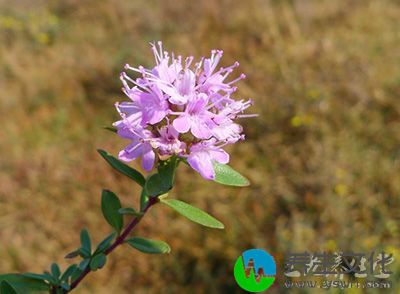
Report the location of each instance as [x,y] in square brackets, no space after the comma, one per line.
[323,156]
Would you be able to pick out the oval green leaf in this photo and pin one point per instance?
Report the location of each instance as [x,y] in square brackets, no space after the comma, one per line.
[24,284]
[68,272]
[85,241]
[103,245]
[55,270]
[6,288]
[156,185]
[65,286]
[50,278]
[148,245]
[111,129]
[123,168]
[194,214]
[161,182]
[110,205]
[75,275]
[83,264]
[98,261]
[226,175]
[72,254]
[35,276]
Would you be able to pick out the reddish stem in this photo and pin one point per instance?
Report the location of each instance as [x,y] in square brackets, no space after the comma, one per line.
[120,239]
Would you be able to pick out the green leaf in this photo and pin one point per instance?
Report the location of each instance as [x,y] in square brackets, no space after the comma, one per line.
[76,274]
[55,270]
[129,211]
[194,214]
[50,278]
[25,285]
[68,272]
[111,129]
[85,242]
[73,254]
[35,276]
[98,261]
[6,288]
[103,245]
[123,168]
[226,175]
[162,182]
[65,286]
[143,199]
[157,185]
[148,245]
[84,263]
[110,205]
[167,168]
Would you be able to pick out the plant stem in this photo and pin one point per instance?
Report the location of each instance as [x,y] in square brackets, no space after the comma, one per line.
[118,241]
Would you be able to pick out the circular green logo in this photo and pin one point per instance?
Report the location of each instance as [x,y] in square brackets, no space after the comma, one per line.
[255,270]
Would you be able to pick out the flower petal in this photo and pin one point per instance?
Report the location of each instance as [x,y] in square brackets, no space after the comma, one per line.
[181,124]
[200,130]
[175,97]
[220,155]
[131,152]
[202,163]
[148,159]
[186,82]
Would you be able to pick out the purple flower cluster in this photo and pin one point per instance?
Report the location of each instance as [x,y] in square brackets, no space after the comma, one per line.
[177,108]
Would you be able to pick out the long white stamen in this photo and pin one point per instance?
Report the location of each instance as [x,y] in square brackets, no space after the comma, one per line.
[125,76]
[247,115]
[215,58]
[156,56]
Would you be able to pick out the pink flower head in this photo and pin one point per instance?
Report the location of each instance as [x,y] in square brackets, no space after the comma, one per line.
[182,109]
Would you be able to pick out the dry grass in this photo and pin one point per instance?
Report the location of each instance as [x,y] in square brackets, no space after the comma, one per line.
[323,156]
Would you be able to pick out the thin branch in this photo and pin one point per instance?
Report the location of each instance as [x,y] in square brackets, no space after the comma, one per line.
[118,241]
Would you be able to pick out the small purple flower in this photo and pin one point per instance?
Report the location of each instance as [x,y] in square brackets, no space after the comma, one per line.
[168,143]
[196,118]
[180,109]
[228,131]
[201,158]
[139,147]
[149,106]
[181,90]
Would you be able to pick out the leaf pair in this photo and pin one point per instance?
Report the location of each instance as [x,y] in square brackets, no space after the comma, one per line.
[58,281]
[97,259]
[113,211]
[158,184]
